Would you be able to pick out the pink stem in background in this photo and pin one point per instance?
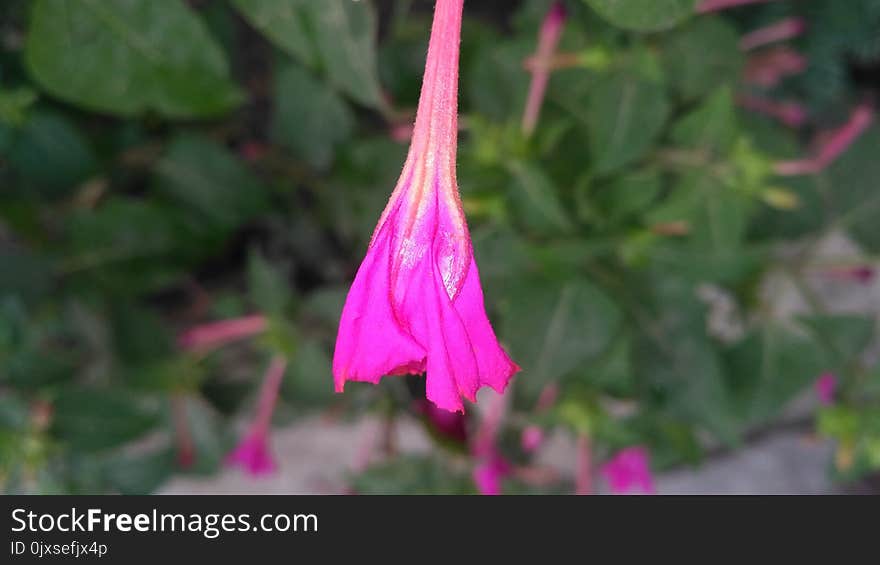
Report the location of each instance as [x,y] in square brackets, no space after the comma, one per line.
[780,31]
[269,395]
[838,142]
[717,5]
[186,452]
[583,481]
[768,68]
[548,41]
[791,114]
[215,334]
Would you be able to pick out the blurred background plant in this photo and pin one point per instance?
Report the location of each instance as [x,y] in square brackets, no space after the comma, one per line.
[188,188]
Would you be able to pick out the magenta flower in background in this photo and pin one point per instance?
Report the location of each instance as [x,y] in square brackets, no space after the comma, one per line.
[826,387]
[629,472]
[532,438]
[416,304]
[489,474]
[253,454]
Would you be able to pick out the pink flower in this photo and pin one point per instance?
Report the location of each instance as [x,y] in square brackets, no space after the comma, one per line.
[451,425]
[629,472]
[489,474]
[253,454]
[531,439]
[791,114]
[548,40]
[416,304]
[491,467]
[216,334]
[826,387]
[833,144]
[780,31]
[770,67]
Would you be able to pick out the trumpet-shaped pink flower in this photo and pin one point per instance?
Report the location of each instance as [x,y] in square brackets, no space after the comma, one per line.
[629,472]
[832,145]
[416,304]
[253,454]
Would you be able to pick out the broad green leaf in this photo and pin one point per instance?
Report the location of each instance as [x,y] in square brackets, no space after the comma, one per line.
[208,182]
[711,127]
[337,35]
[628,195]
[14,105]
[536,199]
[702,57]
[284,24]
[497,84]
[644,15]
[852,185]
[769,367]
[310,119]
[626,116]
[92,419]
[678,361]
[309,383]
[267,286]
[844,338]
[553,326]
[139,473]
[49,154]
[128,57]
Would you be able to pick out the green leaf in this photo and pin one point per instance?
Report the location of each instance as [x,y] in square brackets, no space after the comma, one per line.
[843,337]
[310,382]
[268,287]
[283,22]
[642,15]
[205,179]
[140,473]
[851,186]
[703,56]
[497,83]
[628,195]
[51,155]
[93,419]
[337,35]
[310,119]
[679,363]
[552,326]
[768,368]
[626,116]
[14,105]
[128,57]
[536,199]
[711,127]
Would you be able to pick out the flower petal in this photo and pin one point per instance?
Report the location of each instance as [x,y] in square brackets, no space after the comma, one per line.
[371,342]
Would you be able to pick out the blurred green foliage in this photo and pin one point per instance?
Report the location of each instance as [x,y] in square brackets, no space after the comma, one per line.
[167,163]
